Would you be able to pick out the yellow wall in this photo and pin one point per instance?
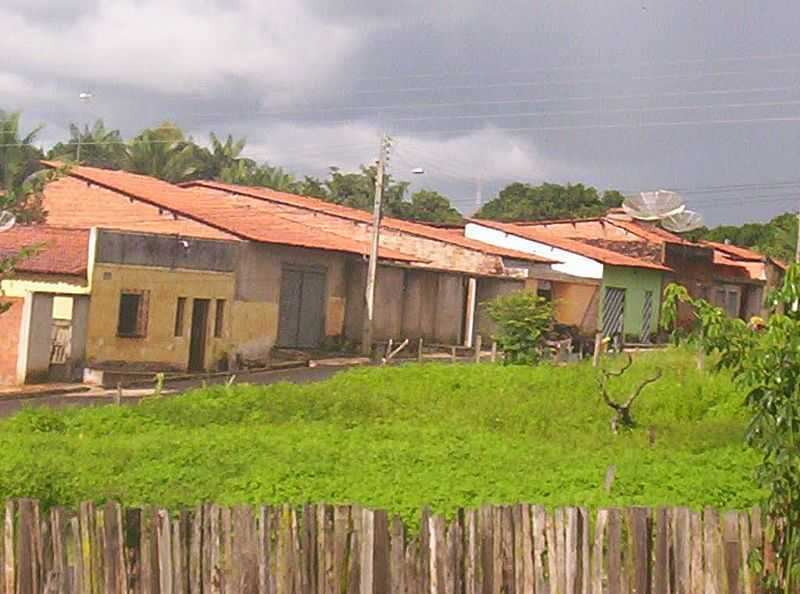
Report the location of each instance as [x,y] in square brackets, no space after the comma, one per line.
[44,283]
[259,283]
[165,286]
[576,305]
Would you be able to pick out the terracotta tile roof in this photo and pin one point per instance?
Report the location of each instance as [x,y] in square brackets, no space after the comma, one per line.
[605,256]
[730,267]
[337,210]
[738,253]
[61,251]
[597,228]
[232,217]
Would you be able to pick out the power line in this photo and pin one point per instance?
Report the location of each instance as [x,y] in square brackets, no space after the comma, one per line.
[502,85]
[596,66]
[616,126]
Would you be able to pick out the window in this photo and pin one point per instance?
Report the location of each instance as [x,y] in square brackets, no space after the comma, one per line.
[545,289]
[180,309]
[132,321]
[219,318]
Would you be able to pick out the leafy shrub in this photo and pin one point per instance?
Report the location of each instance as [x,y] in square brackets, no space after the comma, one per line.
[523,320]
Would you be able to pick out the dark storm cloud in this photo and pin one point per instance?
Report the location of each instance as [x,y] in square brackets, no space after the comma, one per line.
[598,91]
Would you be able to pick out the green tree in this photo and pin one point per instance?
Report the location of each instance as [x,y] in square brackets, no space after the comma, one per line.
[247,172]
[765,364]
[430,207]
[221,156]
[164,152]
[523,320]
[524,202]
[99,147]
[19,158]
[776,238]
[24,201]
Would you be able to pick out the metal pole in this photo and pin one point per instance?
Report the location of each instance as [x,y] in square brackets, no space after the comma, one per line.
[372,268]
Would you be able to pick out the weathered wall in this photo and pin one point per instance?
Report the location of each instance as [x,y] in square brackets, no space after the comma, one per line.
[635,281]
[419,316]
[488,289]
[389,300]
[450,303]
[36,338]
[576,305]
[408,304]
[159,346]
[258,285]
[10,322]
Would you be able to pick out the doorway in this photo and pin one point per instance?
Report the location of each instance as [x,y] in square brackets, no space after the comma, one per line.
[197,341]
[302,305]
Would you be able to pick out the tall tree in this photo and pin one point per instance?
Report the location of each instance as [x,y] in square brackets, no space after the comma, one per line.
[776,238]
[249,173]
[164,152]
[19,158]
[430,207]
[221,156]
[96,146]
[520,202]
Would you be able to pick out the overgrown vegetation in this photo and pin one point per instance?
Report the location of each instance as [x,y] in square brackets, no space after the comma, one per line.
[398,438]
[523,320]
[765,363]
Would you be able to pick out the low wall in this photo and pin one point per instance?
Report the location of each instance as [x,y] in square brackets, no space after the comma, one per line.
[516,549]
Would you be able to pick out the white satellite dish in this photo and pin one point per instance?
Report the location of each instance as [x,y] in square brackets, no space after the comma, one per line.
[7,220]
[653,206]
[684,221]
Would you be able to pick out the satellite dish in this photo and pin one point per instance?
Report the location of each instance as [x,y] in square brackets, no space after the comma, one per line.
[653,206]
[684,221]
[7,220]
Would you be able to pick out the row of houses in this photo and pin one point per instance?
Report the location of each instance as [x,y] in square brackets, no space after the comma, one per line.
[136,273]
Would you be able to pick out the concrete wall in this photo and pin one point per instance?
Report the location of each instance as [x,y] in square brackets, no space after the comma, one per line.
[409,303]
[635,281]
[10,322]
[488,289]
[576,305]
[258,285]
[159,347]
[36,339]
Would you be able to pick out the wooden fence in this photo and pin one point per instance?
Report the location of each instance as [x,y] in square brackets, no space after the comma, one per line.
[326,549]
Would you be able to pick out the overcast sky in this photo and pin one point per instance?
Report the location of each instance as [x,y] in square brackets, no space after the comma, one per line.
[627,94]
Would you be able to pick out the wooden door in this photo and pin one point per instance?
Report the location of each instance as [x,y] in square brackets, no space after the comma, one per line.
[197,341]
[302,305]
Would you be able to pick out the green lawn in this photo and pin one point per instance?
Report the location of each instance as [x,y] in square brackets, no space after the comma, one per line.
[398,438]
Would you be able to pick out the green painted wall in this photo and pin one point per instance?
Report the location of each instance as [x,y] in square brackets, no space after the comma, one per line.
[635,281]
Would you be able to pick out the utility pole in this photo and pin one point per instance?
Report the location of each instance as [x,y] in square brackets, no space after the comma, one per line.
[372,268]
[478,194]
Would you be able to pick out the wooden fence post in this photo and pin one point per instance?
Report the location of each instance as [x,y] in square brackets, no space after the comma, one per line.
[478,346]
[598,342]
[419,350]
[494,351]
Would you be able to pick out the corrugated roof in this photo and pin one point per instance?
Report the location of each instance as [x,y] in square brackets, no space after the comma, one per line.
[60,251]
[412,228]
[596,253]
[241,218]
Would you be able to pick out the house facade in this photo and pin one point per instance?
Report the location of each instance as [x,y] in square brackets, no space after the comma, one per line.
[593,289]
[177,278]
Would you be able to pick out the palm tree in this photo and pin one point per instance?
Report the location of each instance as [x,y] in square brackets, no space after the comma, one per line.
[18,156]
[164,152]
[97,147]
[221,156]
[248,173]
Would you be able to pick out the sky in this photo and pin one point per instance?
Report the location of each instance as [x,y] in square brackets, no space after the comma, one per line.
[698,96]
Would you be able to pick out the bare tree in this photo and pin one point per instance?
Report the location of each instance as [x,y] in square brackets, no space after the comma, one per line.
[622,411]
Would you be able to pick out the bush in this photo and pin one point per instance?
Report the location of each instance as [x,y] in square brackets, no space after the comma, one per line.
[523,320]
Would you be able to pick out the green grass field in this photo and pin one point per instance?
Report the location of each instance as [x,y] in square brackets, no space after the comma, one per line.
[398,438]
